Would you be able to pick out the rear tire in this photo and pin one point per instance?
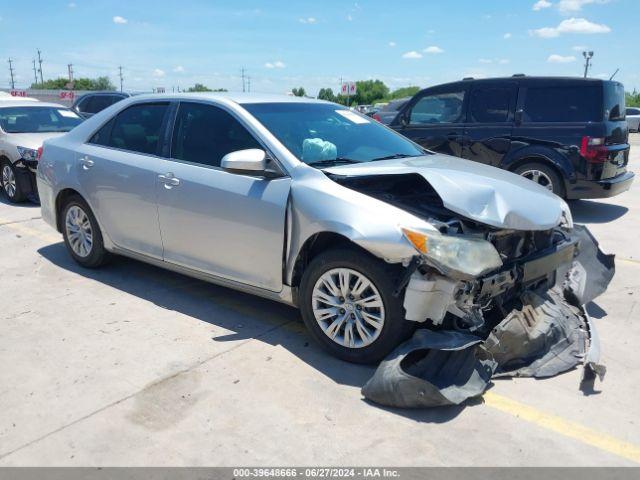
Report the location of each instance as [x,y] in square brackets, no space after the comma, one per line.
[543,175]
[81,233]
[10,184]
[362,331]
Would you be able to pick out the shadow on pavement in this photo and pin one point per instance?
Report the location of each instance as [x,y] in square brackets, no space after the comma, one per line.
[588,211]
[246,316]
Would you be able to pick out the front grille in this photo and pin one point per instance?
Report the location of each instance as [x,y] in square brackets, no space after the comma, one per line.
[512,245]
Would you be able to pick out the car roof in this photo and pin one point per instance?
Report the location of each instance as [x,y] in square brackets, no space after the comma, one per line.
[526,80]
[27,103]
[240,98]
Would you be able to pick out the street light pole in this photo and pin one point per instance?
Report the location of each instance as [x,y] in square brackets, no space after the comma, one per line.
[587,60]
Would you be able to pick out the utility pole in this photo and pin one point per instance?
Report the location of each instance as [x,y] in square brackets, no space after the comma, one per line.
[13,84]
[242,74]
[35,72]
[121,78]
[40,69]
[70,69]
[587,60]
[248,84]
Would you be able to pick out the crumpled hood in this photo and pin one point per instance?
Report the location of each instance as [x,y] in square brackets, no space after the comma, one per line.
[32,140]
[479,192]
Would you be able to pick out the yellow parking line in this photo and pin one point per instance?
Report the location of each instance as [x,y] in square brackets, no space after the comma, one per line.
[629,260]
[567,428]
[20,227]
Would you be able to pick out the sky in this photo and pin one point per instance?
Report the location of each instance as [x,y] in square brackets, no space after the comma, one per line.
[314,44]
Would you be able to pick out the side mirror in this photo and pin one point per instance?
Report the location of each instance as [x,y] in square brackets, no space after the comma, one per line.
[253,160]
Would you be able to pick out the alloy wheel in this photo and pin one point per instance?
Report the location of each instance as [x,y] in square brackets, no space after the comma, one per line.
[348,307]
[8,181]
[79,231]
[539,177]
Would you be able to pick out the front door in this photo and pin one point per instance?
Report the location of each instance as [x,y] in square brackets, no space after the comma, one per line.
[435,120]
[226,224]
[118,171]
[490,121]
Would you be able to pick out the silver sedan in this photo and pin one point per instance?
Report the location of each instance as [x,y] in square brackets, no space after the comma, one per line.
[308,203]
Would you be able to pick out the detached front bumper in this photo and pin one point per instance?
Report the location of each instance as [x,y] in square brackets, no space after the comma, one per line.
[26,178]
[600,189]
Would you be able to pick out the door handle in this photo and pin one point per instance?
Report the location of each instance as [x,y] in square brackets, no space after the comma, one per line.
[169,180]
[86,163]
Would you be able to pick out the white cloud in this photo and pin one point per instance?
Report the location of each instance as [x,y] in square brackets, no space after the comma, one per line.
[560,59]
[119,20]
[412,54]
[392,44]
[433,50]
[72,5]
[277,64]
[507,36]
[307,20]
[485,60]
[157,73]
[503,61]
[579,48]
[570,6]
[349,18]
[500,61]
[571,25]
[541,4]
[179,69]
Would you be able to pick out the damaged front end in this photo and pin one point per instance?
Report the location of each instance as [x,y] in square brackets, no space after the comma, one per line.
[518,293]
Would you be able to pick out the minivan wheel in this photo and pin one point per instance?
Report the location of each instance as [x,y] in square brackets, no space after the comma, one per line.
[347,303]
[81,233]
[10,185]
[543,175]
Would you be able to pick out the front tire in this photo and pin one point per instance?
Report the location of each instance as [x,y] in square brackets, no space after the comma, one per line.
[81,233]
[10,184]
[347,303]
[543,175]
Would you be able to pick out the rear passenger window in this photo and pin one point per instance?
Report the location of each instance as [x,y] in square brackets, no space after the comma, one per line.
[204,134]
[490,105]
[139,128]
[102,136]
[563,104]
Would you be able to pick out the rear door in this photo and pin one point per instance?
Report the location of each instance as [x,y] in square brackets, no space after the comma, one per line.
[435,119]
[490,120]
[118,171]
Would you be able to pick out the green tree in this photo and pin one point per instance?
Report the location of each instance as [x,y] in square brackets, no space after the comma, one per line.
[198,87]
[299,92]
[404,92]
[632,99]
[370,91]
[83,83]
[326,94]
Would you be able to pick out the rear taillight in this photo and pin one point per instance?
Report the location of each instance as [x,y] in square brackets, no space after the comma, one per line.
[39,154]
[593,150]
[376,117]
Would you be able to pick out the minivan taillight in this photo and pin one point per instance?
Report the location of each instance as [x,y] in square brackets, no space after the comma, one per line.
[593,150]
[39,154]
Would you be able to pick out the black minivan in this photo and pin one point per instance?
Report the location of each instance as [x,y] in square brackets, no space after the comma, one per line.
[567,134]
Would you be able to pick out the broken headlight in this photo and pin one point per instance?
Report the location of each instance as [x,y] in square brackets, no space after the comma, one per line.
[27,153]
[467,255]
[567,218]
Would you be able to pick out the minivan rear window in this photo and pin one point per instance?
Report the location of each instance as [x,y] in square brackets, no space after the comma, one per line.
[614,101]
[563,104]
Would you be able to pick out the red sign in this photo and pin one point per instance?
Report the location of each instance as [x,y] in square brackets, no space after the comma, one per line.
[348,88]
[66,95]
[18,93]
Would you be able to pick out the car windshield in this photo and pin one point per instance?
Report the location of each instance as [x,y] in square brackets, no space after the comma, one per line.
[322,134]
[37,119]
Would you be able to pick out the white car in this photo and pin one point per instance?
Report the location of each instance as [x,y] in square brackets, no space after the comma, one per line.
[633,119]
[24,125]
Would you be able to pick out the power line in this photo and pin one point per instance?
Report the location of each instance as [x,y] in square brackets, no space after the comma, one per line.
[242,73]
[40,69]
[13,85]
[248,84]
[70,69]
[121,77]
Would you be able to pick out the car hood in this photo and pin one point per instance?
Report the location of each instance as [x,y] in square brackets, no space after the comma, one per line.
[31,140]
[479,192]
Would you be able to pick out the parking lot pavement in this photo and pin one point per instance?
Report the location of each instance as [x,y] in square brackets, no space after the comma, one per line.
[133,365]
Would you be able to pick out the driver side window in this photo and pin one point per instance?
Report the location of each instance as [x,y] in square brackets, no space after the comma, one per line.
[438,108]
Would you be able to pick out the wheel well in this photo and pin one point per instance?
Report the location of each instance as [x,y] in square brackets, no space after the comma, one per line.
[61,200]
[316,244]
[545,161]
